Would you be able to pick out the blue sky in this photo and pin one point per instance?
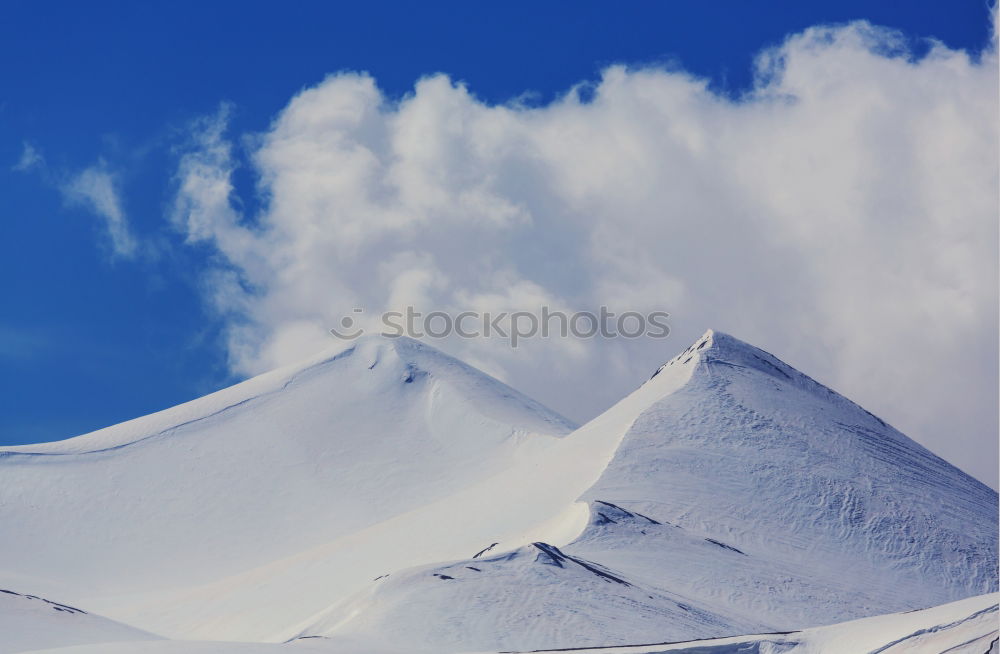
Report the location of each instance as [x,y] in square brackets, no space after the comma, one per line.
[89,337]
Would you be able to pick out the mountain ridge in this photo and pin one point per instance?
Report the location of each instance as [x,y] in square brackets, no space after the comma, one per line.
[253,389]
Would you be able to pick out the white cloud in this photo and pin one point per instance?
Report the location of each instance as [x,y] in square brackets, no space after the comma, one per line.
[843,215]
[95,189]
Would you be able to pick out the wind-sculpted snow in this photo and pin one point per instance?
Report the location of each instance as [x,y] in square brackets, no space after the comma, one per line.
[388,498]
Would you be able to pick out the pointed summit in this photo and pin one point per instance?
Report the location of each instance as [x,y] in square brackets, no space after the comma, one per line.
[723,349]
[693,353]
[719,347]
[716,351]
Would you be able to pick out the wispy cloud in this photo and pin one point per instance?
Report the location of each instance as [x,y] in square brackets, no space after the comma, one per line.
[95,189]
[30,158]
[843,214]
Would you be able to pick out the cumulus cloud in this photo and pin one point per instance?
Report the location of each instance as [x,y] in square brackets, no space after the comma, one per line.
[842,214]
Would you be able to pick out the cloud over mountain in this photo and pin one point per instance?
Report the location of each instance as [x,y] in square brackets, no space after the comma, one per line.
[848,200]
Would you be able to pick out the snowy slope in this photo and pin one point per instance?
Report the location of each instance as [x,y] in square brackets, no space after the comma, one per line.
[390,498]
[536,594]
[31,622]
[968,626]
[754,454]
[122,518]
[742,489]
[534,498]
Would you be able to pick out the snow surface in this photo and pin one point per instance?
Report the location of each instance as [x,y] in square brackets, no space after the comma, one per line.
[967,626]
[387,497]
[128,518]
[31,622]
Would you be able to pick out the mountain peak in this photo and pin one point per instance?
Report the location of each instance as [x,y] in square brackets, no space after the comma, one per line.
[718,348]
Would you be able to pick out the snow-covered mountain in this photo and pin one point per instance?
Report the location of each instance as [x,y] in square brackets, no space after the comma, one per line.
[743,496]
[122,518]
[390,498]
